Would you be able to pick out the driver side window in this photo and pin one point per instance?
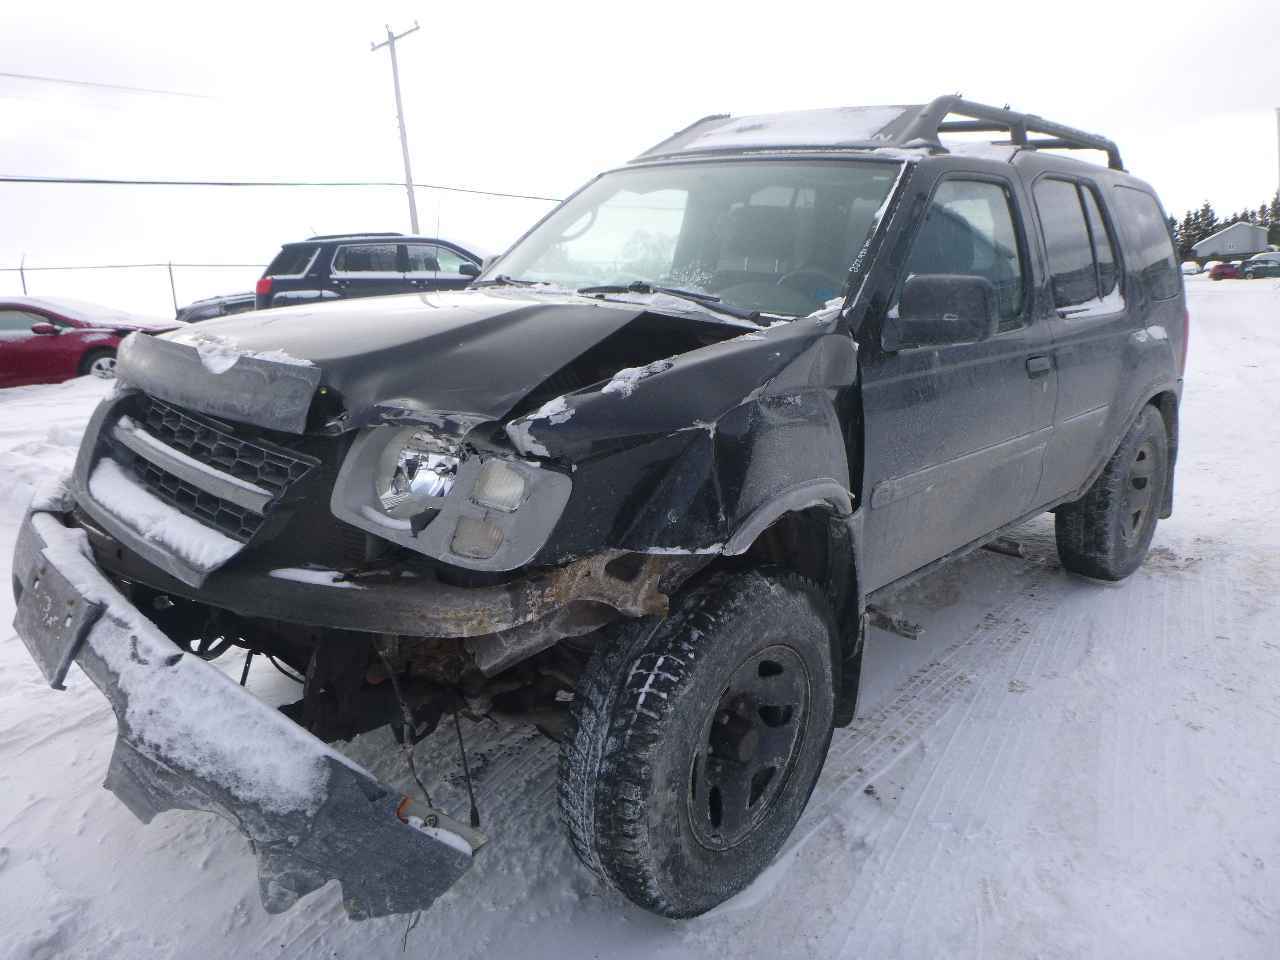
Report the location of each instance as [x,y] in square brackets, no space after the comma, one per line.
[969,230]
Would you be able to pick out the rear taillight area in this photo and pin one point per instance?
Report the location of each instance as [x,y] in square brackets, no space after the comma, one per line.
[263,288]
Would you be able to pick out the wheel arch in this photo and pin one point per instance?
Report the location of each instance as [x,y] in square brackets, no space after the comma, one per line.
[1166,402]
[812,531]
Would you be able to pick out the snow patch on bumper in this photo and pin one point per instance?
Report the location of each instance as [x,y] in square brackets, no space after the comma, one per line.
[310,814]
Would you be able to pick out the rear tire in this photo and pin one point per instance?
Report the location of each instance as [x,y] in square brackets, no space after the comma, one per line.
[1107,532]
[99,363]
[697,739]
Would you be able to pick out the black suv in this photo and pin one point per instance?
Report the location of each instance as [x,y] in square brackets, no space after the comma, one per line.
[642,482]
[364,265]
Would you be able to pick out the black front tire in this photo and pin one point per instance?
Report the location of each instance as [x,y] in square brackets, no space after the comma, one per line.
[1107,532]
[696,740]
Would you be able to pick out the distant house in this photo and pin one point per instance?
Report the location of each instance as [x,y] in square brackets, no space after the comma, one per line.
[1237,240]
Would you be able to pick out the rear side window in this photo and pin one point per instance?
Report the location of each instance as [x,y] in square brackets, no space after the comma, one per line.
[1082,261]
[1148,234]
[366,258]
[292,261]
[1066,238]
[969,229]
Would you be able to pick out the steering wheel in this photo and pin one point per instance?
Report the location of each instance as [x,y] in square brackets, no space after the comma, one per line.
[819,284]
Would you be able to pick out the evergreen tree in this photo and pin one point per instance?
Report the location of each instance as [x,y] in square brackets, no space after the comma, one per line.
[1188,235]
[1206,220]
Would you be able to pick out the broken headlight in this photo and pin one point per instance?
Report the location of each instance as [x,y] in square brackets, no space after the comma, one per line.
[415,468]
[448,499]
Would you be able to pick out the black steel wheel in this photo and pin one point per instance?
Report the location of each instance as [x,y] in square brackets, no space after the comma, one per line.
[696,739]
[747,747]
[1107,532]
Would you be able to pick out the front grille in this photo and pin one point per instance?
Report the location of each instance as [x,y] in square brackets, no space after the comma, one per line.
[237,522]
[260,462]
[270,468]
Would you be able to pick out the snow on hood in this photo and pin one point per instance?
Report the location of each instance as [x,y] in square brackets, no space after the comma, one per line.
[94,313]
[477,352]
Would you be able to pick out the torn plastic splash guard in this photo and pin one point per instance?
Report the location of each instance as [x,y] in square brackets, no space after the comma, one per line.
[310,814]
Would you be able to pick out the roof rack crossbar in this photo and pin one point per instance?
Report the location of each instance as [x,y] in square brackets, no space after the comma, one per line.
[981,118]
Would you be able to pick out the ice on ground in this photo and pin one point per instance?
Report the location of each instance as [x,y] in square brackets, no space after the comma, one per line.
[151,518]
[624,382]
[325,578]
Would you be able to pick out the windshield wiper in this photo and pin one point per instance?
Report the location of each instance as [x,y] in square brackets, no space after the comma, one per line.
[502,280]
[708,300]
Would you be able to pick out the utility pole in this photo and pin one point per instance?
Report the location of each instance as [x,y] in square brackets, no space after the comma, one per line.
[390,43]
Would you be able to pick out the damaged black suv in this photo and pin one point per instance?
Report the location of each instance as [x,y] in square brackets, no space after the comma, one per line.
[644,478]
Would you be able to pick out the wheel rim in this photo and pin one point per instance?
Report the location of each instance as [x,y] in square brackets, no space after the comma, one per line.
[1138,489]
[748,747]
[104,367]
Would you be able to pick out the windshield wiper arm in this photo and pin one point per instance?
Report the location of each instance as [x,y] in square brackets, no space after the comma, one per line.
[708,300]
[502,280]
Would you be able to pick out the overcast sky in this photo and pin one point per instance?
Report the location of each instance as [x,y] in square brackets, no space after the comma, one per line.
[536,98]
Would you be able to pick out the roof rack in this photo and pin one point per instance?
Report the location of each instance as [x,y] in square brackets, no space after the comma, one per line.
[343,236]
[869,128]
[931,122]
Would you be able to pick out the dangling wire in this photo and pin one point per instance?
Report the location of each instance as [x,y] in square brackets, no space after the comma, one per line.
[466,773]
[410,736]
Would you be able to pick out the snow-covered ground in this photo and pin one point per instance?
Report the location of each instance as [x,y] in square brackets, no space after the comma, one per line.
[1056,768]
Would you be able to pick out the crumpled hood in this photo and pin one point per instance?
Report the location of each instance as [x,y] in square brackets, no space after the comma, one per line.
[473,351]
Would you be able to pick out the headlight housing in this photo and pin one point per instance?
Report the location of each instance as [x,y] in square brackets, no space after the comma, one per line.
[499,486]
[415,468]
[435,495]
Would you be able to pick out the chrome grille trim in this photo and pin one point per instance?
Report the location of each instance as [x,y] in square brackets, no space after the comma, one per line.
[188,469]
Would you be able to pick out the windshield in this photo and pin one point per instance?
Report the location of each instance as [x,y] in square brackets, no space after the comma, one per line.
[777,236]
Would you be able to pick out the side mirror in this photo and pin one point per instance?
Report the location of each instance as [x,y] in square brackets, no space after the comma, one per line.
[943,308]
[468,269]
[45,329]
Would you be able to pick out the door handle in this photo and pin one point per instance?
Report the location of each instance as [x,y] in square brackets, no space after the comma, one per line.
[1038,366]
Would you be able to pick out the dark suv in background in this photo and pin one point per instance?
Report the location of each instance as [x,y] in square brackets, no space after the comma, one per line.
[364,265]
[348,265]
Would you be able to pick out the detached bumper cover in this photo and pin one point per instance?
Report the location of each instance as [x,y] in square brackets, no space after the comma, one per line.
[189,738]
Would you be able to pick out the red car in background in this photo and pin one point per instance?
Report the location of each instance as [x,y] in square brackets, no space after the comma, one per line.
[45,340]
[1225,271]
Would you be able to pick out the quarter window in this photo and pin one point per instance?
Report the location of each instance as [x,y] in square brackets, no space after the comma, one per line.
[969,229]
[1148,233]
[366,258]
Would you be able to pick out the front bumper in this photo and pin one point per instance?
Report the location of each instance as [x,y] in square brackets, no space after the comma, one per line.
[310,814]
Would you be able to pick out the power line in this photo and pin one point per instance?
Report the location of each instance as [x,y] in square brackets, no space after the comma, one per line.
[122,181]
[131,266]
[104,86]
